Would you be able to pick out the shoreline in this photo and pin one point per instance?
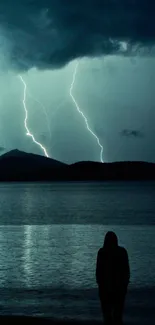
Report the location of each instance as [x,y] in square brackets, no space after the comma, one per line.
[51,321]
[43,320]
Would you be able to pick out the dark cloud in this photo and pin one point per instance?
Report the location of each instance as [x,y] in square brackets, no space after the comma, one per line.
[132,133]
[50,33]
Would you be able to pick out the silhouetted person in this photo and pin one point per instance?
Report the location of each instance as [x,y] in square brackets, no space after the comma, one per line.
[112,276]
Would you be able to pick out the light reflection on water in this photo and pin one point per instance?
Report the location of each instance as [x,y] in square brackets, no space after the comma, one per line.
[65,255]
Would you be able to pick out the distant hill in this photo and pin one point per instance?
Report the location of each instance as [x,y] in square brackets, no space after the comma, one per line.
[30,158]
[21,166]
[125,170]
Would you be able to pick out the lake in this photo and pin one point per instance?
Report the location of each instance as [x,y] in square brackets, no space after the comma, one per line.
[49,238]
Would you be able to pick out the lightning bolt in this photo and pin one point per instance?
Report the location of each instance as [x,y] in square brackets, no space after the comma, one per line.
[82,114]
[28,133]
[44,110]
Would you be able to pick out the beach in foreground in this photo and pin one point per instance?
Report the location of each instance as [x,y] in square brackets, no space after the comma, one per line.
[41,321]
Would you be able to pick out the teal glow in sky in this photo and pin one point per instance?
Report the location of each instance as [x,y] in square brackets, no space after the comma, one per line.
[114,93]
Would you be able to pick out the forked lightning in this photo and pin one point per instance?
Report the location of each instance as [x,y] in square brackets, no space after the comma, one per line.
[28,133]
[82,114]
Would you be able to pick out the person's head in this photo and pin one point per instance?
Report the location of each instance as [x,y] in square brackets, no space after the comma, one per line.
[110,240]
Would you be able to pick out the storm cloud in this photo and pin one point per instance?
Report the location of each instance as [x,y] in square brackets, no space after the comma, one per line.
[50,33]
[132,133]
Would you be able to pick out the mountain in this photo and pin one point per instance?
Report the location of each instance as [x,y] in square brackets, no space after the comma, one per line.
[21,166]
[30,157]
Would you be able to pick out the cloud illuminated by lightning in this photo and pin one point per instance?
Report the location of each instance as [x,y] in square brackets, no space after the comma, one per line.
[28,133]
[82,114]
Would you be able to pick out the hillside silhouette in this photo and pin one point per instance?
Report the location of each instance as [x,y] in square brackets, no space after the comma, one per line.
[21,166]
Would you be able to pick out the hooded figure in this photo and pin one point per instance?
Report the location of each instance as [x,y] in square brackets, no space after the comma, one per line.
[112,276]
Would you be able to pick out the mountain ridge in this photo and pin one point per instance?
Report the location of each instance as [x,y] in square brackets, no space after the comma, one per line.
[17,165]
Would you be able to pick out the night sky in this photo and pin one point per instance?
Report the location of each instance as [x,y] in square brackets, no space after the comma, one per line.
[113,43]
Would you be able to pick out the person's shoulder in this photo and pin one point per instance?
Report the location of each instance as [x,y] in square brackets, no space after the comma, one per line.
[122,250]
[100,251]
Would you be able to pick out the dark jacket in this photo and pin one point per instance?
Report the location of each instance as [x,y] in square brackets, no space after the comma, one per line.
[112,268]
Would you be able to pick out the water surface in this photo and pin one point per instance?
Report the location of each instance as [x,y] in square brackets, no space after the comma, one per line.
[49,238]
